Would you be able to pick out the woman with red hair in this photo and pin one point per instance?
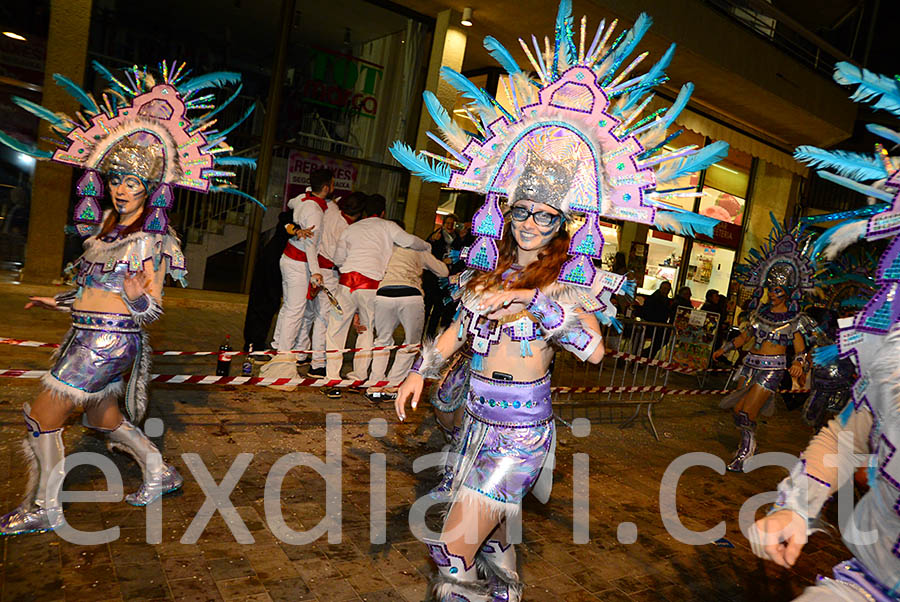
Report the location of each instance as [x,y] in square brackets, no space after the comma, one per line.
[510,316]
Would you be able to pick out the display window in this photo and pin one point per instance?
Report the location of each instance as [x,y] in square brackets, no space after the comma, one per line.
[664,252]
[725,188]
[709,268]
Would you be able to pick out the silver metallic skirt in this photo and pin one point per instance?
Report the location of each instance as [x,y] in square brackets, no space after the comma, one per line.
[767,371]
[96,353]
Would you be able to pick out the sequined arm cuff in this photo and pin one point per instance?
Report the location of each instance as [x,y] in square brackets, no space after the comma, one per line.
[728,346]
[549,314]
[430,362]
[802,493]
[65,300]
[144,309]
[580,341]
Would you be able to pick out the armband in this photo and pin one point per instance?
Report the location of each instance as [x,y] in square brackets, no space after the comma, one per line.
[728,346]
[580,341]
[144,309]
[430,362]
[65,300]
[552,317]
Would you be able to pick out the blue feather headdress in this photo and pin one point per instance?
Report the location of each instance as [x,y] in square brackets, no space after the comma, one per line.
[581,106]
[163,122]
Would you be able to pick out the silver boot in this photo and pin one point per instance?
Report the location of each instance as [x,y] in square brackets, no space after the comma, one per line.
[747,447]
[40,509]
[159,478]
[456,582]
[498,562]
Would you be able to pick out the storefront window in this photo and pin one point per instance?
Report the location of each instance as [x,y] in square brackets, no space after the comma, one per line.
[663,260]
[709,268]
[725,188]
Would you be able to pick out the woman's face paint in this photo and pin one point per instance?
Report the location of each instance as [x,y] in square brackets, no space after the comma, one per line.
[529,235]
[128,195]
[777,294]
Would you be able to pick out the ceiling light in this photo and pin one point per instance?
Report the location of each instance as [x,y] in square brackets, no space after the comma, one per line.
[466,20]
[15,36]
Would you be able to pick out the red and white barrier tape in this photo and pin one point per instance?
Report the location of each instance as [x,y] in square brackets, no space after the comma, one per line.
[204,379]
[24,343]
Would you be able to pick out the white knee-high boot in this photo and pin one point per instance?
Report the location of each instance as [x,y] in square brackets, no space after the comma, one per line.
[41,509]
[498,562]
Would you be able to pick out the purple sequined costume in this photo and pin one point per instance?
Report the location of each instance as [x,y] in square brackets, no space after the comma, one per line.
[508,437]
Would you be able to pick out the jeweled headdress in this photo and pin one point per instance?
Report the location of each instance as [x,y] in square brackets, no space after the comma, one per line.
[877,177]
[142,128]
[782,261]
[582,121]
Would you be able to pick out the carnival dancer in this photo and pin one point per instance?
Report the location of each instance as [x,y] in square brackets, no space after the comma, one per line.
[338,215]
[143,147]
[870,424]
[783,271]
[362,253]
[573,147]
[300,269]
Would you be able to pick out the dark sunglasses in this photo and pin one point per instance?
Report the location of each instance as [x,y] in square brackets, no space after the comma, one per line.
[541,218]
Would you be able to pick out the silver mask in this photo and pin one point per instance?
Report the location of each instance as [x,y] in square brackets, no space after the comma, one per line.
[543,181]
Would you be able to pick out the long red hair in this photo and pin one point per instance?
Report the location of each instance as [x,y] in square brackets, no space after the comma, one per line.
[538,274]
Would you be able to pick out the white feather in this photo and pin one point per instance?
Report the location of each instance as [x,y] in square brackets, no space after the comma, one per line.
[843,238]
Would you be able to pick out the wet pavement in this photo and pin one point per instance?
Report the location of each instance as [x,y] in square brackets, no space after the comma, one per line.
[218,423]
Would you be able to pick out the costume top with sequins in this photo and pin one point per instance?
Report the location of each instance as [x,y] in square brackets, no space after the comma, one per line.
[107,260]
[779,328]
[483,333]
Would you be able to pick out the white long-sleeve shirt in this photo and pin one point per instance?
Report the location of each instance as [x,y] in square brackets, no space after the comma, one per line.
[308,214]
[405,268]
[333,225]
[365,246]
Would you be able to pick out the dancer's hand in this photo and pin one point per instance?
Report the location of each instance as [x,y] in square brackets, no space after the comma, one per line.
[779,537]
[357,325]
[718,353]
[411,387]
[137,284]
[42,302]
[506,303]
[796,370]
[316,280]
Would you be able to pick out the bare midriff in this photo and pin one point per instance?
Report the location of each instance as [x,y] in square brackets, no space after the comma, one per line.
[506,356]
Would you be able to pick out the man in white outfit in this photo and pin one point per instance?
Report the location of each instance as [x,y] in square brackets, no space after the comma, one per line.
[300,269]
[399,300]
[362,254]
[337,217]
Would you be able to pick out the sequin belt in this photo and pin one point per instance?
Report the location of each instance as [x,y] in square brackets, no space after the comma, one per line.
[765,362]
[509,403]
[95,320]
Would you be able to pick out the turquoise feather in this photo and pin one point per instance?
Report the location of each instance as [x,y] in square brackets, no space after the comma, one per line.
[218,79]
[886,133]
[110,78]
[699,161]
[501,55]
[221,135]
[77,92]
[209,115]
[237,161]
[656,71]
[43,113]
[678,106]
[25,149]
[856,186]
[229,190]
[852,165]
[880,90]
[469,90]
[418,165]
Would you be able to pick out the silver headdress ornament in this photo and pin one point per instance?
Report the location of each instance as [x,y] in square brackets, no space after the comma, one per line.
[543,181]
[783,260]
[145,161]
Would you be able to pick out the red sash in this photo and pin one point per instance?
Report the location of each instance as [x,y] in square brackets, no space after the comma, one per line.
[356,281]
[325,263]
[294,253]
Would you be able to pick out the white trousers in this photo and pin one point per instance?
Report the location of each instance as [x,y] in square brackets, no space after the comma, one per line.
[359,301]
[390,312]
[315,320]
[294,285]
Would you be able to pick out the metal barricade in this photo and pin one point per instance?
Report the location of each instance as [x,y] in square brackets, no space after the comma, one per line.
[636,383]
